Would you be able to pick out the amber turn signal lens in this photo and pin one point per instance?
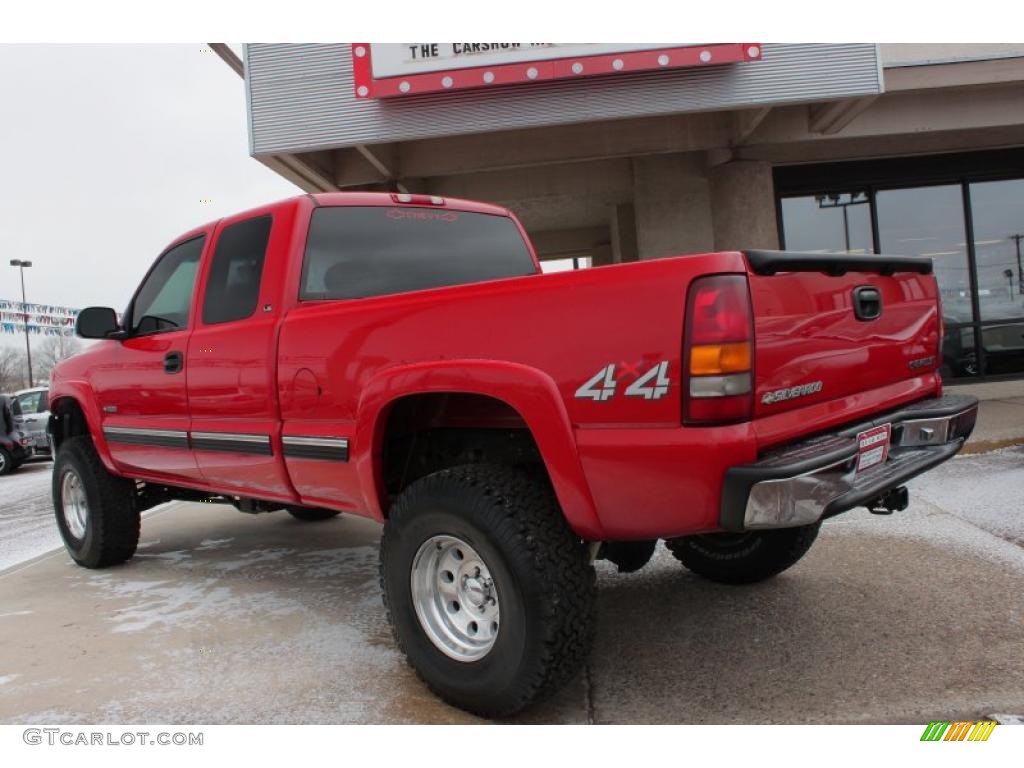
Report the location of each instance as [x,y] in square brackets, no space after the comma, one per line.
[716,359]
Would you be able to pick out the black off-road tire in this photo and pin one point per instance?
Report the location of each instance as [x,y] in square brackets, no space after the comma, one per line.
[312,514]
[6,462]
[743,558]
[112,522]
[544,580]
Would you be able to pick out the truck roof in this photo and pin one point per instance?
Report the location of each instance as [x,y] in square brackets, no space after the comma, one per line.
[397,198]
[329,199]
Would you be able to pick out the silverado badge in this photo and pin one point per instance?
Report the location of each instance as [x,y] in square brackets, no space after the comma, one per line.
[800,390]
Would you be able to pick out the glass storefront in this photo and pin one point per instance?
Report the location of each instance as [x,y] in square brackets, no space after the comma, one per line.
[971,228]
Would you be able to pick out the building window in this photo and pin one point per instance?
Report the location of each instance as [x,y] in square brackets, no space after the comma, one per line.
[929,221]
[830,222]
[965,212]
[566,265]
[998,215]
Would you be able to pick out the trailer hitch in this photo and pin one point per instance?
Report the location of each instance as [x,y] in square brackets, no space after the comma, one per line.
[895,500]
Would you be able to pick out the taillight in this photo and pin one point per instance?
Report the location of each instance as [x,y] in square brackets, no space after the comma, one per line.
[718,354]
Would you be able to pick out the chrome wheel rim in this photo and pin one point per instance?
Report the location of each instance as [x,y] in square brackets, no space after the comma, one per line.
[3,461]
[74,505]
[455,597]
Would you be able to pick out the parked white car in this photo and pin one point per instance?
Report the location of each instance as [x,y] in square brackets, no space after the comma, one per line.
[31,410]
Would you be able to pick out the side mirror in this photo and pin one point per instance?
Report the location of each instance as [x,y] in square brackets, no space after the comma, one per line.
[96,323]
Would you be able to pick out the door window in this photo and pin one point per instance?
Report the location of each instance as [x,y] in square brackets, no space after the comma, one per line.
[233,287]
[165,297]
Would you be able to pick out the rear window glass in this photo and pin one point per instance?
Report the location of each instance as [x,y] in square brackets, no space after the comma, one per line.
[354,252]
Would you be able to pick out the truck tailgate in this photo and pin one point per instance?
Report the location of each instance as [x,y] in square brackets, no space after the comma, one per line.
[829,326]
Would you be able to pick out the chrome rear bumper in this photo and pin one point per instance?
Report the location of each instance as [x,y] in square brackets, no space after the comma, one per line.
[817,478]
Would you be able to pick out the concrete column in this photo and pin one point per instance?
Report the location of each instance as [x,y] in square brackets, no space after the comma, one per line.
[673,205]
[623,234]
[743,205]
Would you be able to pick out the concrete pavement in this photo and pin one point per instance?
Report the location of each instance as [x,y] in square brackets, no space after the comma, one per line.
[224,617]
[1000,417]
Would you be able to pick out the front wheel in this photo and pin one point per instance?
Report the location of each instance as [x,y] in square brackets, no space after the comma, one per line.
[489,594]
[743,558]
[96,511]
[6,462]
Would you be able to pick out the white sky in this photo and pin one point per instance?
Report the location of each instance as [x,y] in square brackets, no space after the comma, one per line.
[107,152]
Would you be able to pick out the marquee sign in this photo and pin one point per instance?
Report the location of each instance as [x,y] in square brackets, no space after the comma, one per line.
[383,70]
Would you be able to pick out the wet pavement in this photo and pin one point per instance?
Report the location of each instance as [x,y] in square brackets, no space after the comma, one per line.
[229,618]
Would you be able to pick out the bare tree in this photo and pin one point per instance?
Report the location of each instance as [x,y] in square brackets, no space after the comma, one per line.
[13,370]
[50,352]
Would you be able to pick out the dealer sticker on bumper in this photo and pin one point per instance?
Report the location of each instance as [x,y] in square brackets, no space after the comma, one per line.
[873,446]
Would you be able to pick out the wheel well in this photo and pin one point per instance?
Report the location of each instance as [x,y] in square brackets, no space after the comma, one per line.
[67,420]
[430,432]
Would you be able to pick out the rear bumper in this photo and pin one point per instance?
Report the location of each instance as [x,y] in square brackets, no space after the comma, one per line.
[806,482]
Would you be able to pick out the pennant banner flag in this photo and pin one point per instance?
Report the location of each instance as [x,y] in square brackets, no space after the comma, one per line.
[41,319]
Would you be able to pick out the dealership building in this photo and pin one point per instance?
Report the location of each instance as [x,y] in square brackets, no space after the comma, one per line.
[615,153]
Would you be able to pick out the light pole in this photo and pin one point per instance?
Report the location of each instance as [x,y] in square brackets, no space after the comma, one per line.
[1020,276]
[21,264]
[834,200]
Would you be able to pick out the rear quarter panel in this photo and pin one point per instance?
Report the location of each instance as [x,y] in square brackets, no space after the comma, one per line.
[565,326]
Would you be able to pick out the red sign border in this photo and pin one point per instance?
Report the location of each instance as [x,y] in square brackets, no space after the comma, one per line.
[574,68]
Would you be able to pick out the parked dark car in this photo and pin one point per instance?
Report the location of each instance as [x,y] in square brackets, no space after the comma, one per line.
[15,446]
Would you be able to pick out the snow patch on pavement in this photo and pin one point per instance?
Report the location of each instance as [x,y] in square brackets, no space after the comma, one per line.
[5,679]
[167,605]
[27,527]
[1007,719]
[252,558]
[178,556]
[208,544]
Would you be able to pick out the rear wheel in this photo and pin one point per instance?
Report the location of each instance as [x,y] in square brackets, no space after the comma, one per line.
[743,558]
[312,514]
[6,462]
[489,594]
[96,511]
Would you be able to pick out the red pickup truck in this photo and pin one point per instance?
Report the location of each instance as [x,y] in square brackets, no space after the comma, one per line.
[402,357]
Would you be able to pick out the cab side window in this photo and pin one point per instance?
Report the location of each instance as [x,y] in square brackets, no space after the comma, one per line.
[233,286]
[165,297]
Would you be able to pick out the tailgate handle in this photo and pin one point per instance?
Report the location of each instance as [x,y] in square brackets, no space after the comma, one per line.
[867,303]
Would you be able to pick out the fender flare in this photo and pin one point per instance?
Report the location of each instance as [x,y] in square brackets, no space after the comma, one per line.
[528,391]
[83,396]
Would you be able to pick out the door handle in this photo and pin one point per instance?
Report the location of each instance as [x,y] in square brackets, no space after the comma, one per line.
[174,362]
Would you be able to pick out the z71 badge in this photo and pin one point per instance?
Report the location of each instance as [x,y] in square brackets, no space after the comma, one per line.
[801,390]
[651,385]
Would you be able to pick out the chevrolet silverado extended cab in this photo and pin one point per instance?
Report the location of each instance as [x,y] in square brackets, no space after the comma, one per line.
[402,357]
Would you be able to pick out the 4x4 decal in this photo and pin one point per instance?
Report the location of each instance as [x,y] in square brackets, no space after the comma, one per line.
[654,384]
